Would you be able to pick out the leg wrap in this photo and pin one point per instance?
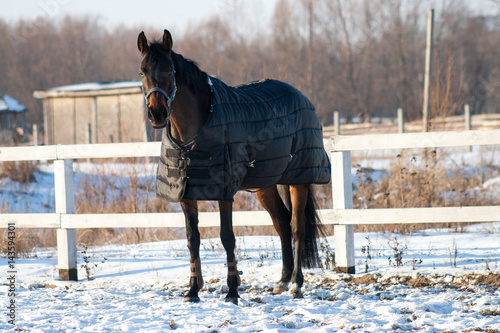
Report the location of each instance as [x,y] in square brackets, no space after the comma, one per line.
[196,272]
[232,270]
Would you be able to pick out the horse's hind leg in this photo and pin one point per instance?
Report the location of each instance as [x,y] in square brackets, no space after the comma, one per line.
[190,209]
[299,197]
[228,241]
[281,216]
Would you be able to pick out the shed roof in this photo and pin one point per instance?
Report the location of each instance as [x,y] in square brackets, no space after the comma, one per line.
[9,104]
[92,89]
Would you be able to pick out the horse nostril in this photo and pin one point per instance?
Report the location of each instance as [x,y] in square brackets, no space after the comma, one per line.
[156,114]
[152,103]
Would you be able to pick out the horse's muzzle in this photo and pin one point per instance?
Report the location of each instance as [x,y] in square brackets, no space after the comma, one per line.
[158,117]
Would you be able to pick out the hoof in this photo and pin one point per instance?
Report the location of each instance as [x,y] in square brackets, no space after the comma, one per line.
[280,288]
[233,300]
[296,292]
[192,299]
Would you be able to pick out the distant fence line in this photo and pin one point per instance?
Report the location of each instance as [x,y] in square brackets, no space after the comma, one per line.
[342,216]
[465,122]
[397,125]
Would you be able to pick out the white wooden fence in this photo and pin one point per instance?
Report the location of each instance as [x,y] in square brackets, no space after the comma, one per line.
[343,217]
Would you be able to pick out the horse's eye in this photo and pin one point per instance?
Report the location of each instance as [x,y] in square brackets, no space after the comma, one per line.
[141,73]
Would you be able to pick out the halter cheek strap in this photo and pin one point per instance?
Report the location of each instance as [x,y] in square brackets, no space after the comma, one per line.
[169,98]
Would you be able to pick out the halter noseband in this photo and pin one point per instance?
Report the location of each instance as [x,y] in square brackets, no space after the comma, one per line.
[169,98]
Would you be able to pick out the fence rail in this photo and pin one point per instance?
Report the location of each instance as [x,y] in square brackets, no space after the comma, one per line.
[415,140]
[343,216]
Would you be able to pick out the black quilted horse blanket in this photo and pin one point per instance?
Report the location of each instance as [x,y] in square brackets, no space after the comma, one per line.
[257,135]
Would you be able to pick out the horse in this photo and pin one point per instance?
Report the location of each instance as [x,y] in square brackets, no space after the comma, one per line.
[205,157]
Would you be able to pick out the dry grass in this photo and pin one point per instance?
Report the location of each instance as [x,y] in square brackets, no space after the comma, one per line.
[111,192]
[23,171]
[423,181]
[27,240]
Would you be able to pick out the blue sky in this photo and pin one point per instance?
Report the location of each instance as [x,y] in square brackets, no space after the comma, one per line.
[174,15]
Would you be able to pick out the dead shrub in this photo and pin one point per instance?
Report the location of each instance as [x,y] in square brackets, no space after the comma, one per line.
[110,192]
[423,181]
[21,171]
[433,184]
[27,240]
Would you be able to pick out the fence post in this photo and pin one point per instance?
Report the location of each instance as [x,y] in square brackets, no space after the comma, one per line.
[401,121]
[35,135]
[468,124]
[65,204]
[428,69]
[342,199]
[336,123]
[89,131]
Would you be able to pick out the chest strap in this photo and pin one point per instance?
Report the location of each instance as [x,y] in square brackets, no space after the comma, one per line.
[189,173]
[188,154]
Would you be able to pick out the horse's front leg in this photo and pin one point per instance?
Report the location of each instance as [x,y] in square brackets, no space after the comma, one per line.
[190,209]
[228,241]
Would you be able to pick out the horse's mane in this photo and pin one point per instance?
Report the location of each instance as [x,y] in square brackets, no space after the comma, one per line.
[186,70]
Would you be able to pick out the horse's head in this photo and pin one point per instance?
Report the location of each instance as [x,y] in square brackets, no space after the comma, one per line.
[158,78]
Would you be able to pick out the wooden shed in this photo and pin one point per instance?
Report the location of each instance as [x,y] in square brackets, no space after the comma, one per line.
[99,112]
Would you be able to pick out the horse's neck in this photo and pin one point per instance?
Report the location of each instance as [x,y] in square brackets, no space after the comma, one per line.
[190,112]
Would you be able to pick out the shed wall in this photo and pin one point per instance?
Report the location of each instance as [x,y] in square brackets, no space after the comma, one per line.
[64,120]
[132,119]
[108,119]
[85,114]
[112,118]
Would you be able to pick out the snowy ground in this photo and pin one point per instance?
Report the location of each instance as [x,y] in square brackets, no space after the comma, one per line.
[139,288]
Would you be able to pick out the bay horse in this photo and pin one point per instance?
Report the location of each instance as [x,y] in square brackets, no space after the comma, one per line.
[183,100]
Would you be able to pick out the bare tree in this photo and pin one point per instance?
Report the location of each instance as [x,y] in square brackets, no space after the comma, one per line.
[363,57]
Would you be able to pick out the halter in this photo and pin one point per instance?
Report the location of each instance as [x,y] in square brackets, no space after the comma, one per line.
[169,98]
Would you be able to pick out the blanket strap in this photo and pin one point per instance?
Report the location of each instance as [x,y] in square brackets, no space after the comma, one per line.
[189,173]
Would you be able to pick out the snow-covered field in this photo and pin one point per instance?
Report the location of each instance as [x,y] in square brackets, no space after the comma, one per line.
[443,280]
[139,288]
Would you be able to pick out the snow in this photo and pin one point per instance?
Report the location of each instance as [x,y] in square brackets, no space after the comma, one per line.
[90,86]
[140,287]
[8,103]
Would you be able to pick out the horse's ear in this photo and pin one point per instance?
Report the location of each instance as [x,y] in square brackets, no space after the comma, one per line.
[167,41]
[142,42]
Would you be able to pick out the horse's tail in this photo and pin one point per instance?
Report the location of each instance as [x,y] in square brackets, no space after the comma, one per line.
[314,229]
